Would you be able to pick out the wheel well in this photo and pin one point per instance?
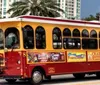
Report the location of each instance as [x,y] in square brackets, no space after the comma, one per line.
[41,69]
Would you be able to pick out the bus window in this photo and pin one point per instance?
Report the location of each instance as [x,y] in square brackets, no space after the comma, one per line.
[40,38]
[73,43]
[67,32]
[67,42]
[1,39]
[28,37]
[85,33]
[12,38]
[89,43]
[93,34]
[76,41]
[76,33]
[93,44]
[57,40]
[85,43]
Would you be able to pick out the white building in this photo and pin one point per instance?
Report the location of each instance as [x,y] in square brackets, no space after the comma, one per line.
[0,4]
[72,8]
[4,6]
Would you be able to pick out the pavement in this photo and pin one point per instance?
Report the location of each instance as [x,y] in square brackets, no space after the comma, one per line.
[61,80]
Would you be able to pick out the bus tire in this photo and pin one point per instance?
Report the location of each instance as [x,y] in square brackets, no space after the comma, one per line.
[79,75]
[11,80]
[98,74]
[37,77]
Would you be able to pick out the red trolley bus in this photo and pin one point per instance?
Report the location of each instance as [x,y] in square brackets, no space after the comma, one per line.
[36,47]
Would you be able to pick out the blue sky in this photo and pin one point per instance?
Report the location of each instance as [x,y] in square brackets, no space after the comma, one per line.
[89,7]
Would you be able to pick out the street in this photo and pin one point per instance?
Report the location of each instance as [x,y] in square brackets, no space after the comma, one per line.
[61,80]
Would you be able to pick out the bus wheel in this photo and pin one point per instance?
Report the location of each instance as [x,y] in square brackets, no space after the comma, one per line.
[37,77]
[79,75]
[11,80]
[98,74]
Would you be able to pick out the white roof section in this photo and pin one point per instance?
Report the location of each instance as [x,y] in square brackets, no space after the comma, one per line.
[39,19]
[10,19]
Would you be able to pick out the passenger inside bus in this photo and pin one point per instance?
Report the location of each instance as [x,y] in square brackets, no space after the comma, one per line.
[12,38]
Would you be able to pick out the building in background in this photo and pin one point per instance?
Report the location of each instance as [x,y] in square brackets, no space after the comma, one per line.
[0,8]
[72,8]
[4,6]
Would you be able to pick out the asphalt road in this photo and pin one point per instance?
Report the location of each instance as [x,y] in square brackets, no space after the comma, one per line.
[61,80]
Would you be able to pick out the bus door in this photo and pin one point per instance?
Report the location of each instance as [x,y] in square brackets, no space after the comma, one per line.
[13,54]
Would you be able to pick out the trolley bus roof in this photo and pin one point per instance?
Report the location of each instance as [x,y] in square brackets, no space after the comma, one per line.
[52,21]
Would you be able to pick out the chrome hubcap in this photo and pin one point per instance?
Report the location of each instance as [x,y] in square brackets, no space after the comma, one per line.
[37,77]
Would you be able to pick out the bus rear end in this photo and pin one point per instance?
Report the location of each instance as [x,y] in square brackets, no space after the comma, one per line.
[11,53]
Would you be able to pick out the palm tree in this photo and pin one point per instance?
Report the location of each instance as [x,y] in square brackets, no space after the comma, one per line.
[47,8]
[89,18]
[98,16]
